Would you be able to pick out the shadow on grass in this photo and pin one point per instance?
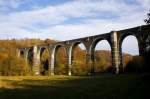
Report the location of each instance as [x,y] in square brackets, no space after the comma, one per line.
[125,86]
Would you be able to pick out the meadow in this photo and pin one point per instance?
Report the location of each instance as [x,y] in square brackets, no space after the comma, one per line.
[104,86]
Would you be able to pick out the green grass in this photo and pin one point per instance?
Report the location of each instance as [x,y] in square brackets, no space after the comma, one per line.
[105,86]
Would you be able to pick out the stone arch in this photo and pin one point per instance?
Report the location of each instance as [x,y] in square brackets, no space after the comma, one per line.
[53,57]
[71,53]
[73,46]
[22,53]
[95,42]
[121,38]
[42,49]
[76,43]
[44,60]
[135,38]
[125,35]
[126,59]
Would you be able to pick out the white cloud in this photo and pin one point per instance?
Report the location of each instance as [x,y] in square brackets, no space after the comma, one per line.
[144,3]
[50,21]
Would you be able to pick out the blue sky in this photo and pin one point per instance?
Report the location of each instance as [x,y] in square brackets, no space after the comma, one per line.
[69,19]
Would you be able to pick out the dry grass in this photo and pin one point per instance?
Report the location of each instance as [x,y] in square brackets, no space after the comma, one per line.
[12,82]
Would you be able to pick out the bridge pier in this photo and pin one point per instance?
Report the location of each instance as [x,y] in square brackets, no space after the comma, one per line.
[89,56]
[69,60]
[89,64]
[69,67]
[18,52]
[25,54]
[116,53]
[52,63]
[36,61]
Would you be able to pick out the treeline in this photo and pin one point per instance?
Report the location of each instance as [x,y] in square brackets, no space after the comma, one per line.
[10,64]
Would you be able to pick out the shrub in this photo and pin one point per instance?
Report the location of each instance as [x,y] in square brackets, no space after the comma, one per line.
[135,65]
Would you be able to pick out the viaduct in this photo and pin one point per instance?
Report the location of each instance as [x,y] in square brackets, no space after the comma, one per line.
[114,38]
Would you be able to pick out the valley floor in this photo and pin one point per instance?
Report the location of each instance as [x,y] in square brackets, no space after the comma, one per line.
[105,86]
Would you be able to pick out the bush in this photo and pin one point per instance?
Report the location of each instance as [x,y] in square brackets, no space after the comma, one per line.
[79,68]
[135,65]
[102,66]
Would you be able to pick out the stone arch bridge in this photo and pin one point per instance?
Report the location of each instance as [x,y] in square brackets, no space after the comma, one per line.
[114,38]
